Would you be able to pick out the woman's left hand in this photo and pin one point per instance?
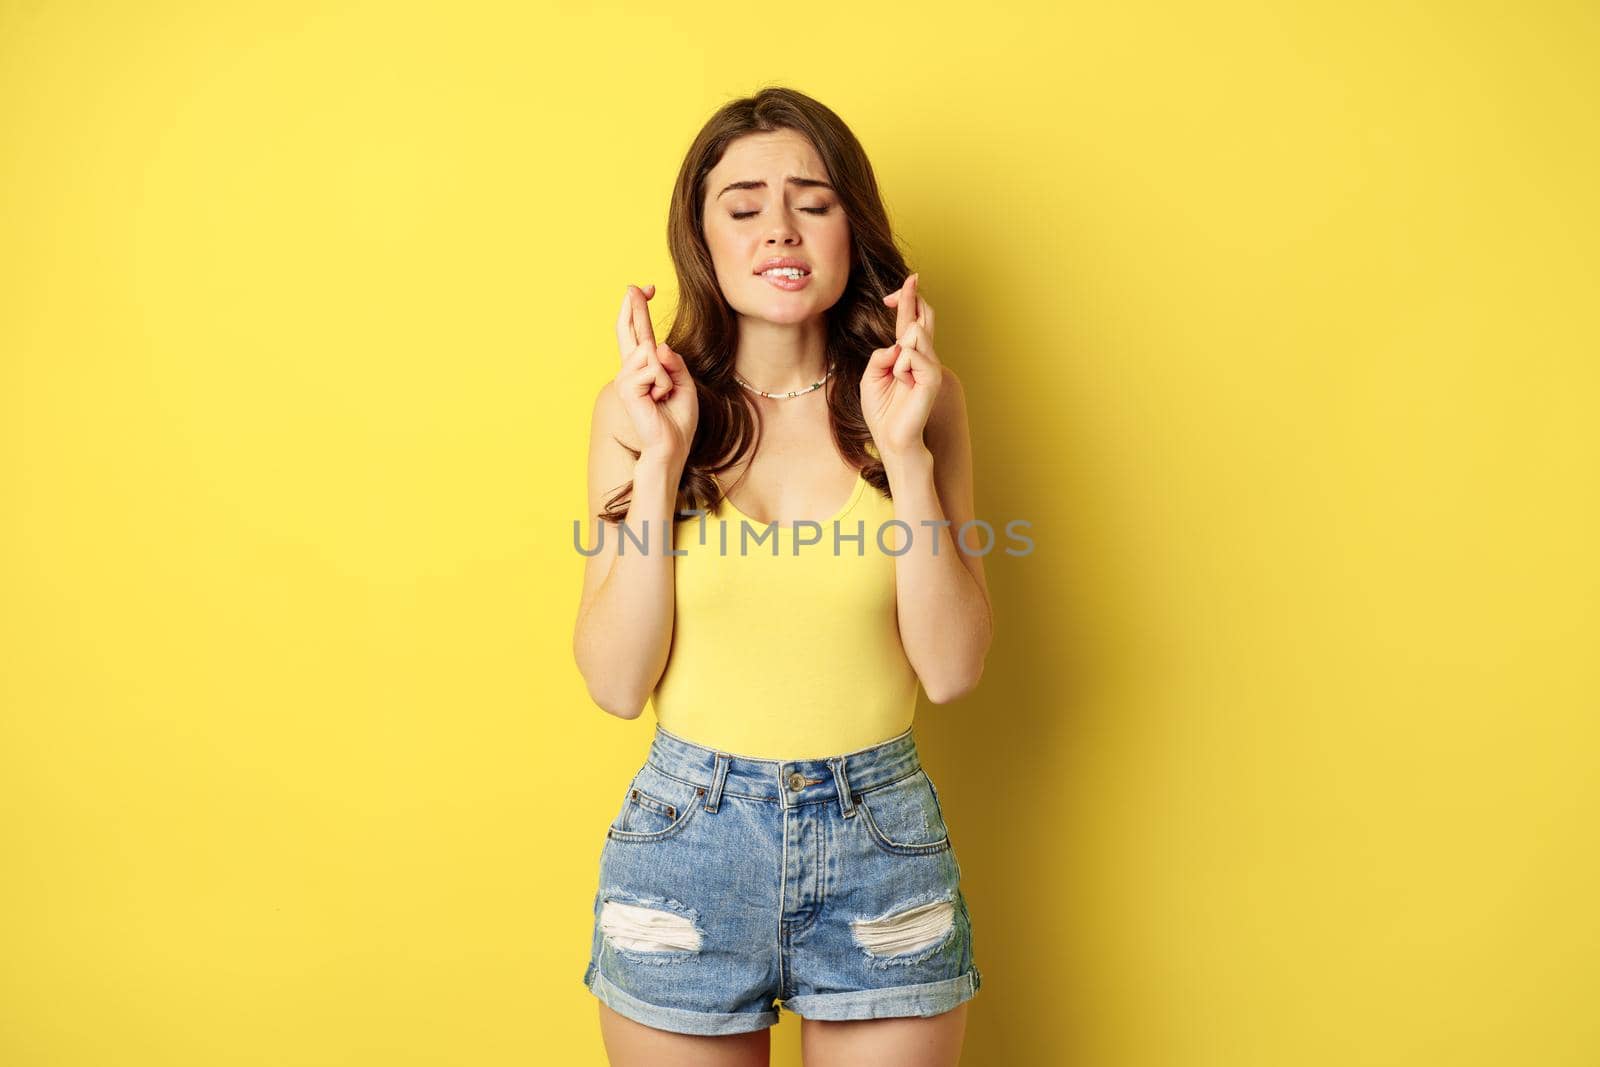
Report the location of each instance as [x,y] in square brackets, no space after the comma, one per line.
[901,381]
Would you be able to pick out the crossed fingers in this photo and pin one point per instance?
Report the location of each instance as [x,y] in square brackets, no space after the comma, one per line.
[910,310]
[634,328]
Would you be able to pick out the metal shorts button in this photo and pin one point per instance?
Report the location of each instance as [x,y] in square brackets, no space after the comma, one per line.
[796,781]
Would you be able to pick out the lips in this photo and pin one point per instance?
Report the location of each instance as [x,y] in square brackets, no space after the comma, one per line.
[784,261]
[780,281]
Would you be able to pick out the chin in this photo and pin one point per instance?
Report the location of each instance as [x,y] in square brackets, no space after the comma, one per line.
[794,307]
[790,313]
[782,311]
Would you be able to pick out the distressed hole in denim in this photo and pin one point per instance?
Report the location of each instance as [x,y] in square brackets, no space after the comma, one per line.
[909,935]
[655,931]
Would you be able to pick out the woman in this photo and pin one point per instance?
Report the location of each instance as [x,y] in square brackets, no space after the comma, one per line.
[782,843]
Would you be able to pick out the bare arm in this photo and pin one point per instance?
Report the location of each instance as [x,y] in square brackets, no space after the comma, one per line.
[946,622]
[624,627]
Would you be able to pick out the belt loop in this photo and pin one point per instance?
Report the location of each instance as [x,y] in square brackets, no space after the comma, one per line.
[846,802]
[714,797]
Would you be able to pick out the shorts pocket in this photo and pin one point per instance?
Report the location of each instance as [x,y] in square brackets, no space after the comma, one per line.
[903,817]
[656,806]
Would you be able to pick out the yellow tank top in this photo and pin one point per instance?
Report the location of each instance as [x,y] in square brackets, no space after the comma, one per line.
[789,656]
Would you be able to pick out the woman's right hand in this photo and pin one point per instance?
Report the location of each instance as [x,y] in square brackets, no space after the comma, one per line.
[654,383]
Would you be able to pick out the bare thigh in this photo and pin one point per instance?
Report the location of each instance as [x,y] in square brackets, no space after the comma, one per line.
[633,1044]
[913,1041]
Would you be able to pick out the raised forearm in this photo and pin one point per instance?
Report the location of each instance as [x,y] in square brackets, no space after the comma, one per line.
[622,641]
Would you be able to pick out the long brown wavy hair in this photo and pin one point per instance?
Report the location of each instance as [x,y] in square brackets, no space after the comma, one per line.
[705,329]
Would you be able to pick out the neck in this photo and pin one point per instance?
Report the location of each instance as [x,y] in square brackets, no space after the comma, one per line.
[778,357]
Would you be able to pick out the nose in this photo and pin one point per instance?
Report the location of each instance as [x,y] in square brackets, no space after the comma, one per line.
[782,235]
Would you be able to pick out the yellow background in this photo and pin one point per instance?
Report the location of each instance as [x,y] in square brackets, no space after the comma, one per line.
[1277,321]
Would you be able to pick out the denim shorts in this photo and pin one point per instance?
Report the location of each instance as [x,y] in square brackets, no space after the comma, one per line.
[731,885]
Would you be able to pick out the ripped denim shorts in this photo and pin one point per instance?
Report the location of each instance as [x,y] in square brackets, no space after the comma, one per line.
[730,886]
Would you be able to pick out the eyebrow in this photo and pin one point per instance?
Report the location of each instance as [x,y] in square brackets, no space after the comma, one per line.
[804,183]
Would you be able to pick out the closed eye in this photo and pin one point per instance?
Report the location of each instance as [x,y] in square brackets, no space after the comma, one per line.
[812,210]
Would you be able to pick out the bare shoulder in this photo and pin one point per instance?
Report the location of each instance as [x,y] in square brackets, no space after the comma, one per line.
[949,439]
[613,451]
[947,421]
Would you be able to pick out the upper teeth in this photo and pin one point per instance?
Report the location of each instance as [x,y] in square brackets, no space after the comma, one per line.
[787,272]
